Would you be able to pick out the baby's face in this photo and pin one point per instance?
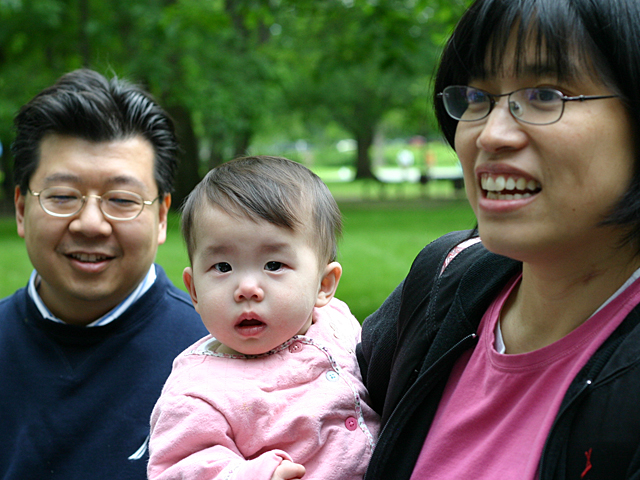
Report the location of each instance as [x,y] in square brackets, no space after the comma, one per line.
[253,283]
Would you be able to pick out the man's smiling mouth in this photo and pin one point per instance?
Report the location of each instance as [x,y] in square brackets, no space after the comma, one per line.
[508,187]
[88,257]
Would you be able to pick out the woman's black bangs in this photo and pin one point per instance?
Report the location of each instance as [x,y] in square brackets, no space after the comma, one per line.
[550,27]
[562,47]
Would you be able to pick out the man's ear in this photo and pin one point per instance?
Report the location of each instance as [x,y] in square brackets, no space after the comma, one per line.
[18,201]
[163,213]
[187,278]
[329,283]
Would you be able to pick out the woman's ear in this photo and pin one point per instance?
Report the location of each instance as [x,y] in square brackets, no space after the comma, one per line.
[329,283]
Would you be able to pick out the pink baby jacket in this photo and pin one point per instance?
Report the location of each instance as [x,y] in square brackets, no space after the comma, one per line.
[237,416]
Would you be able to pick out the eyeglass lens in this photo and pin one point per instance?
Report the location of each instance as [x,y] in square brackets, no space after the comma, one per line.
[531,105]
[66,201]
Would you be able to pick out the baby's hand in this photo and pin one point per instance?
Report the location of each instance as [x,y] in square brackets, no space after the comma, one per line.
[288,471]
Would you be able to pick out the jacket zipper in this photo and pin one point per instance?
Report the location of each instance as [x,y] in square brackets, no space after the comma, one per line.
[435,370]
[464,343]
[578,394]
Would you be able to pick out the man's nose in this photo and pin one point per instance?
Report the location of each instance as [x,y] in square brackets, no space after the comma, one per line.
[90,221]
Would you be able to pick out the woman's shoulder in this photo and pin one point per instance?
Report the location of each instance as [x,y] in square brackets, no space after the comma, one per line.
[432,260]
[437,251]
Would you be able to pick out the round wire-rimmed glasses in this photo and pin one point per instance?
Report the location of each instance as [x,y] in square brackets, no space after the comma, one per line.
[114,204]
[537,106]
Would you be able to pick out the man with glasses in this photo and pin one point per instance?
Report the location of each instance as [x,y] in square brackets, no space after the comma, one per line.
[86,347]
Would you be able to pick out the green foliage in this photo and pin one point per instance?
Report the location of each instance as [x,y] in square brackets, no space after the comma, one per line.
[230,70]
[361,60]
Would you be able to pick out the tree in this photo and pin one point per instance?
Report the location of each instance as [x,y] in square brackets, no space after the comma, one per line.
[212,76]
[32,50]
[362,59]
[226,68]
[200,59]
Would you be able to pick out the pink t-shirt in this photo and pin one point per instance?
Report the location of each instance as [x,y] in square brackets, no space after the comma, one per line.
[497,410]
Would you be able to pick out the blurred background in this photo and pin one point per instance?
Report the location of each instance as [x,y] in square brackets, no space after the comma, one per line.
[342,86]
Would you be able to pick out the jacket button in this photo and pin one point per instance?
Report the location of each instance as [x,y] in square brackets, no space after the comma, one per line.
[332,376]
[295,348]
[351,423]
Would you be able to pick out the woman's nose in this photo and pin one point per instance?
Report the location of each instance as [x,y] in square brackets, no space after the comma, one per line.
[500,130]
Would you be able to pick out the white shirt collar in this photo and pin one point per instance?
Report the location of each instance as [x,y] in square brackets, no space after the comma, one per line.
[149,279]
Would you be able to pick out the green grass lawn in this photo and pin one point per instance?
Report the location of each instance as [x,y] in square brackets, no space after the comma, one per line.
[380,241]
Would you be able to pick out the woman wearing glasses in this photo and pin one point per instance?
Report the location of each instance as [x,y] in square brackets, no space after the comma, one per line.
[514,351]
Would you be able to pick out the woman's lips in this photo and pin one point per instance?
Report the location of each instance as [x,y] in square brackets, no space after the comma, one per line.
[508,187]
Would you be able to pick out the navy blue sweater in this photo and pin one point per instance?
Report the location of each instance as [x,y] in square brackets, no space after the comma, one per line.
[75,402]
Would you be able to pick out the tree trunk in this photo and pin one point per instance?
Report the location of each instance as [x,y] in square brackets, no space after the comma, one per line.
[216,156]
[241,142]
[188,166]
[7,181]
[363,162]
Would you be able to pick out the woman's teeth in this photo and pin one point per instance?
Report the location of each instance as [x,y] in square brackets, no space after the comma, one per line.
[508,187]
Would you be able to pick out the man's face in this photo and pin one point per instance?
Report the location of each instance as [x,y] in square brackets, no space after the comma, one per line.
[88,263]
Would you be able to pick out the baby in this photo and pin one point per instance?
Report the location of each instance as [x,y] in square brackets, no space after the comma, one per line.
[275,391]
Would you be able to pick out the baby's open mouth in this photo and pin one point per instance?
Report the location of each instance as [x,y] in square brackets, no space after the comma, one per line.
[508,187]
[250,323]
[250,327]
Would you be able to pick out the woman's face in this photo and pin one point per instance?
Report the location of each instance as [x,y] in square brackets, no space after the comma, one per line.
[566,176]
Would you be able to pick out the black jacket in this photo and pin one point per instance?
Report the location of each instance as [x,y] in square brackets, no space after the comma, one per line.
[411,343]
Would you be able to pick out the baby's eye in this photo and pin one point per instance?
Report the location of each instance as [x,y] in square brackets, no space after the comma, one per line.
[222,267]
[273,266]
